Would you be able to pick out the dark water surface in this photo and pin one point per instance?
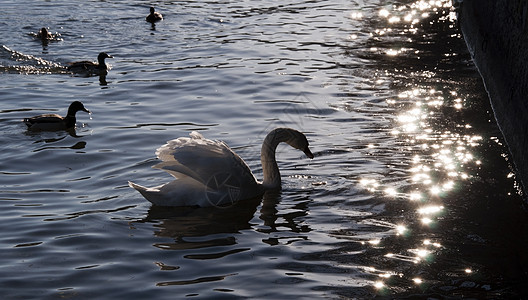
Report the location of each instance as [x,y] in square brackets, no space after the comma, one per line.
[410,194]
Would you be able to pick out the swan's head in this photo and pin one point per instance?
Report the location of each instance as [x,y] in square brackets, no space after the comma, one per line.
[293,138]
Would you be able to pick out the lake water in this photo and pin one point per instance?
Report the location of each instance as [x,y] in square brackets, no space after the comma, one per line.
[410,193]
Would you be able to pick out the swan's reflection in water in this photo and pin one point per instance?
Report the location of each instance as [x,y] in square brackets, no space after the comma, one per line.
[276,220]
[220,235]
[183,224]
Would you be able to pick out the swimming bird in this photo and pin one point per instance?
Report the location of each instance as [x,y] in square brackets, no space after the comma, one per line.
[54,122]
[89,67]
[154,16]
[44,34]
[209,173]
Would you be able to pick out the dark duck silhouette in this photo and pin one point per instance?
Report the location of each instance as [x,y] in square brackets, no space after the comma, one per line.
[44,34]
[90,67]
[154,16]
[54,122]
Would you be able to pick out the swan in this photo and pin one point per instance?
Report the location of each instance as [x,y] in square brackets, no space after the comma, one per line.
[154,16]
[209,173]
[90,67]
[54,122]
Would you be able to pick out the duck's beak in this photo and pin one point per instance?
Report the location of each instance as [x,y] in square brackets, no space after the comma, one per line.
[87,110]
[308,152]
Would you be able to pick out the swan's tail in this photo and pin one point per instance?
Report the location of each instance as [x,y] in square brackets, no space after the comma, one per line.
[151,194]
[138,187]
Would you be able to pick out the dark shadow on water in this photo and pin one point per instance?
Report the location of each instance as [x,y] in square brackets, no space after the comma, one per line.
[102,80]
[44,137]
[185,223]
[271,214]
[76,146]
[178,222]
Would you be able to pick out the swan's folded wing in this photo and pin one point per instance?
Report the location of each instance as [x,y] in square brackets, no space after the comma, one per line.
[177,170]
[202,159]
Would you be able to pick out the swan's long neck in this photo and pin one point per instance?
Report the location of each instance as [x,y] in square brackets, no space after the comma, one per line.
[272,178]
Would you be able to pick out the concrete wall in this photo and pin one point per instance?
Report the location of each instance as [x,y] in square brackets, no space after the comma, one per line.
[496,33]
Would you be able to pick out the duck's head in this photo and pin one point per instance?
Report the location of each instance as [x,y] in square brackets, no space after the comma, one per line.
[101,57]
[44,31]
[76,106]
[151,9]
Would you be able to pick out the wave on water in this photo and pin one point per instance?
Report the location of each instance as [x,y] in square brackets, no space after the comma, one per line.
[14,62]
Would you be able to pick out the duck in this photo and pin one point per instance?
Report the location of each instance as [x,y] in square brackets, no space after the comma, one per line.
[208,173]
[89,67]
[44,34]
[54,122]
[154,16]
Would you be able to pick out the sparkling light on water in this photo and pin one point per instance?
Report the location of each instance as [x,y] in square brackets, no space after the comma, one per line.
[442,156]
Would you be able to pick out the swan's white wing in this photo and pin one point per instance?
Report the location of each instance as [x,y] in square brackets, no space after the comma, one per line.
[180,192]
[203,160]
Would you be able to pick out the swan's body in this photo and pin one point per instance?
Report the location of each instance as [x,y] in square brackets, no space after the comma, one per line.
[209,173]
[154,16]
[90,67]
[54,122]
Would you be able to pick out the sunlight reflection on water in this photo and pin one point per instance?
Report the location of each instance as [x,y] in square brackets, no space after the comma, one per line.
[442,157]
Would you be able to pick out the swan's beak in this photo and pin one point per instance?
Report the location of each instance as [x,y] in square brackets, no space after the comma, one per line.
[308,152]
